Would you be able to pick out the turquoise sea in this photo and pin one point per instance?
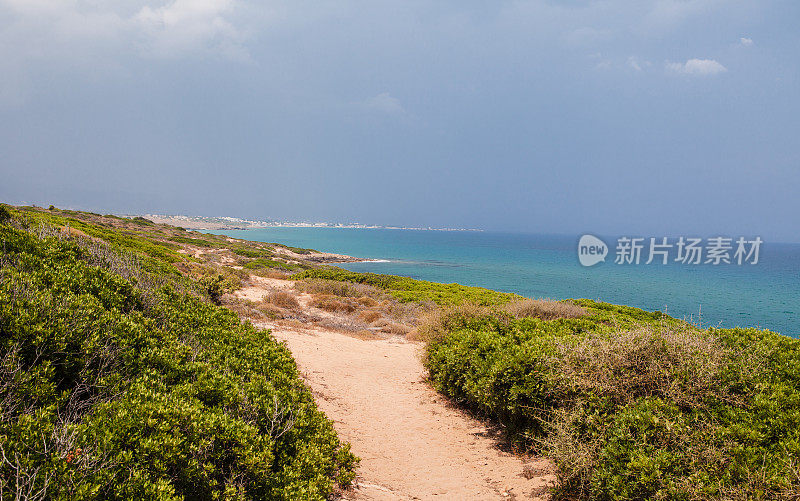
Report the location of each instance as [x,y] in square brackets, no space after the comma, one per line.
[765,295]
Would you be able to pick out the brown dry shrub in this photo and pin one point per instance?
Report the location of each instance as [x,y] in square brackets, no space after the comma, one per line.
[367,301]
[346,325]
[407,313]
[396,329]
[436,323]
[282,299]
[369,316]
[413,335]
[273,273]
[270,273]
[271,310]
[365,334]
[332,304]
[248,309]
[681,366]
[546,309]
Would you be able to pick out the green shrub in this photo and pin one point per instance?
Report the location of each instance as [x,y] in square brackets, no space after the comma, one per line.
[160,254]
[199,242]
[411,290]
[633,404]
[261,263]
[142,221]
[213,286]
[299,250]
[115,388]
[252,253]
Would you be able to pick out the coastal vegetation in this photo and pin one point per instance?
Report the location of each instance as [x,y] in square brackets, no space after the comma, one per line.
[120,379]
[629,404]
[632,405]
[411,290]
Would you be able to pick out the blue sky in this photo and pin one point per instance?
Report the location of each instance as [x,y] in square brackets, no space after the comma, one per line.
[652,117]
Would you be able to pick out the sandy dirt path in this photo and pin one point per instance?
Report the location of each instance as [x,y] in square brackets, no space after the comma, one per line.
[412,443]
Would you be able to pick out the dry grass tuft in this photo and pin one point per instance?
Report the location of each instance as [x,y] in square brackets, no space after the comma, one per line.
[404,313]
[365,334]
[681,366]
[273,273]
[396,329]
[436,323]
[368,301]
[270,310]
[282,299]
[346,325]
[546,309]
[369,316]
[250,310]
[332,303]
[413,335]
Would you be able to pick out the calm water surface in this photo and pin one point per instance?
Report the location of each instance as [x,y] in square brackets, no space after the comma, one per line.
[765,295]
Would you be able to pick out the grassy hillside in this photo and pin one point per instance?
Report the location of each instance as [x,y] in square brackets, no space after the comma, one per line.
[119,379]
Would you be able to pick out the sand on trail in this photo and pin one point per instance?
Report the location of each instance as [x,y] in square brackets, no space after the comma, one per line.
[413,444]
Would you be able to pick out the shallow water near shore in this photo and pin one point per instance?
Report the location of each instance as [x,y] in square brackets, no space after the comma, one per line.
[765,295]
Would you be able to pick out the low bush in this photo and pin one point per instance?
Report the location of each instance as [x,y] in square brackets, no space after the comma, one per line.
[436,323]
[251,310]
[299,250]
[160,254]
[369,316]
[213,286]
[332,304]
[138,220]
[282,299]
[367,301]
[395,329]
[631,404]
[126,388]
[271,273]
[252,253]
[411,290]
[544,308]
[198,242]
[261,263]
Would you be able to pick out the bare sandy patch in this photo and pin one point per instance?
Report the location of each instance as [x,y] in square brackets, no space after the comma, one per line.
[412,442]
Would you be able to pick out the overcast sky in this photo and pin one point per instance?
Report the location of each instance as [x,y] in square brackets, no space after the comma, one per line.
[642,117]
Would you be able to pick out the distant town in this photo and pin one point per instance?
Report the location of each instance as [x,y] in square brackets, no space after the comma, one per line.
[234,223]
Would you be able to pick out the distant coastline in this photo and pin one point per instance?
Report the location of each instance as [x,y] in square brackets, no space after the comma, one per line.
[233,223]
